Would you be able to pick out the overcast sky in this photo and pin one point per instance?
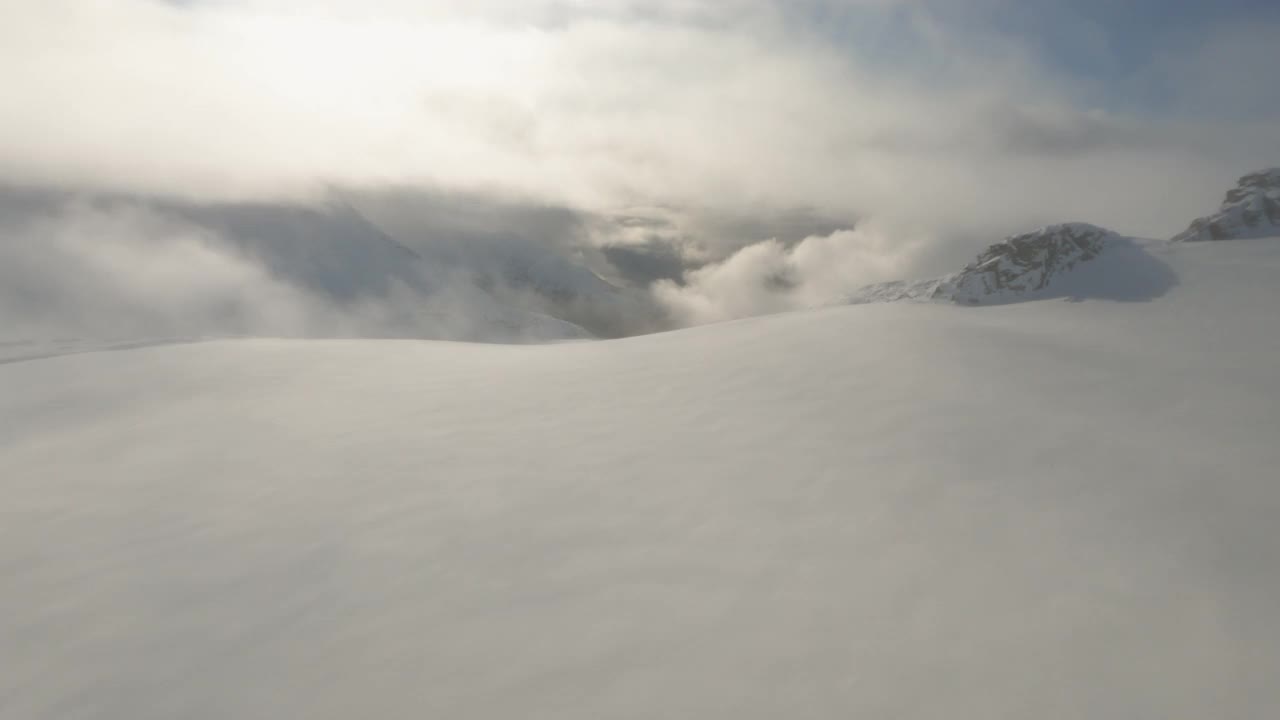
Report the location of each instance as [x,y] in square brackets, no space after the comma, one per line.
[929,116]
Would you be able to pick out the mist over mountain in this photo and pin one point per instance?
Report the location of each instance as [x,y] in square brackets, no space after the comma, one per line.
[126,268]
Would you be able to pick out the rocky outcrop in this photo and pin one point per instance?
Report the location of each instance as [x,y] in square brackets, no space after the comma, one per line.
[1250,210]
[1025,264]
[1020,268]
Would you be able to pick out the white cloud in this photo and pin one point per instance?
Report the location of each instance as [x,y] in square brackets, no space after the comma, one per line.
[769,277]
[127,272]
[590,105]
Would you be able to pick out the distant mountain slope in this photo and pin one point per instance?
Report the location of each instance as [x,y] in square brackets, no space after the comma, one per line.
[99,270]
[523,255]
[329,249]
[1075,260]
[1250,210]
[336,251]
[1063,260]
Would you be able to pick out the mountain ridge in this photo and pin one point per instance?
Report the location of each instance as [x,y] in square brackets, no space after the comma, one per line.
[1043,263]
[1249,210]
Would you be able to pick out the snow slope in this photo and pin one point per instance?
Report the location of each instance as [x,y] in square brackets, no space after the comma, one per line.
[1042,510]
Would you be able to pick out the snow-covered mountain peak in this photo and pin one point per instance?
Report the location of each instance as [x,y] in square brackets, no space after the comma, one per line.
[1021,267]
[1250,210]
[1025,263]
[1263,181]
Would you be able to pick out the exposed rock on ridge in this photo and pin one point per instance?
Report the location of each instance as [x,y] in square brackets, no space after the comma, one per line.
[1018,268]
[1250,210]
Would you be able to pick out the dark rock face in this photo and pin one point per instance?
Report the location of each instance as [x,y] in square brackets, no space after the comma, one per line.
[1024,264]
[1250,210]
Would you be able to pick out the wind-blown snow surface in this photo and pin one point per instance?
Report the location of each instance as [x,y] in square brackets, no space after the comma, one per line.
[1041,510]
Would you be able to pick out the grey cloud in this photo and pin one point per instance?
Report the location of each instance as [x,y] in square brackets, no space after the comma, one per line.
[112,267]
[643,264]
[1060,132]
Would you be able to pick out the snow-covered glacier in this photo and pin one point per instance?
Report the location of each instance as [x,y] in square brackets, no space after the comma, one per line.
[919,510]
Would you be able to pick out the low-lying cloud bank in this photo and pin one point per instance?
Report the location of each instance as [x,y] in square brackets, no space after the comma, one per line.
[402,264]
[112,269]
[129,272]
[770,277]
